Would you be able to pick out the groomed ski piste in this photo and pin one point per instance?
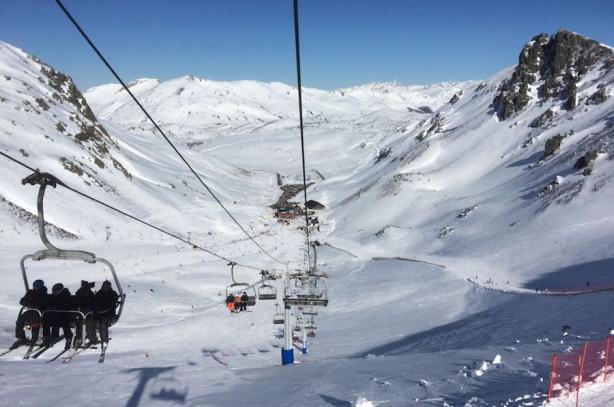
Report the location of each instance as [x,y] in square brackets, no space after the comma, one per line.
[438,252]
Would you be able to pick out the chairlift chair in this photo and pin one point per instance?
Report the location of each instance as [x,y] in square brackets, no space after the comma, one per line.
[53,253]
[278,317]
[266,291]
[312,292]
[239,288]
[311,311]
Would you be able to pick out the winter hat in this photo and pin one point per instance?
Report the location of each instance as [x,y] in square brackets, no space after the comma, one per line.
[38,284]
[106,284]
[57,288]
[86,284]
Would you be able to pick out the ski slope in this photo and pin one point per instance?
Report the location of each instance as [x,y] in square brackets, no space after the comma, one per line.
[407,223]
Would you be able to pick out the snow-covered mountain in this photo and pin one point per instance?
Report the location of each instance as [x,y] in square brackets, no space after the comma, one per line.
[479,170]
[506,182]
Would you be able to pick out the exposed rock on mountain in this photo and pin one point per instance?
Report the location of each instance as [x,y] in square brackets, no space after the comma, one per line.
[552,66]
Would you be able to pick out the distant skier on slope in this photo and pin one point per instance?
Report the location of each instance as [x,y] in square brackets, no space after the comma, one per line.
[59,300]
[105,301]
[35,299]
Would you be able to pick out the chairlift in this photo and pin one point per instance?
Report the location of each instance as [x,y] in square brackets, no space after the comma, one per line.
[310,290]
[53,253]
[310,311]
[266,291]
[278,317]
[238,288]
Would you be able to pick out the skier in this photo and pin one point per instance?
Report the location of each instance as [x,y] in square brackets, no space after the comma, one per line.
[61,301]
[84,302]
[105,301]
[230,302]
[244,299]
[36,300]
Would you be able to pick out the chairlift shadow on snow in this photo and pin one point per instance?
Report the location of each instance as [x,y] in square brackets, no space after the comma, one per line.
[145,375]
[335,402]
[213,353]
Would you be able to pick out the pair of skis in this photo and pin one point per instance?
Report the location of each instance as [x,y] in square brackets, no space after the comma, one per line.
[75,352]
[34,351]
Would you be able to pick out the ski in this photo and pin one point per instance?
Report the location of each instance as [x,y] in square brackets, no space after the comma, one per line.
[75,352]
[58,355]
[46,348]
[16,345]
[9,350]
[30,350]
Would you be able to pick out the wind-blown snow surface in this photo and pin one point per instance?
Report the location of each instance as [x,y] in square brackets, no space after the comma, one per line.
[406,223]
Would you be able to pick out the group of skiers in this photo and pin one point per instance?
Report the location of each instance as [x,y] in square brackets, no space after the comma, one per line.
[60,309]
[237,303]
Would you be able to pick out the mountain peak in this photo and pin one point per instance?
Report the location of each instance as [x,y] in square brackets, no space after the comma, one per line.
[553,65]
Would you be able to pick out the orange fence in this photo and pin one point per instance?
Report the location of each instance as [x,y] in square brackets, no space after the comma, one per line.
[590,363]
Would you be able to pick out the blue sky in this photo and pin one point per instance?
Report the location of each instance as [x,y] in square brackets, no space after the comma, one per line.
[344,42]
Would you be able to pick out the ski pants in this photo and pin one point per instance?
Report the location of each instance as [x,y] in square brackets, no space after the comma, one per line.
[31,318]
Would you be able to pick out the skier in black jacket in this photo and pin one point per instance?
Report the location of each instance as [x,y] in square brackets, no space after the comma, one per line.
[105,301]
[84,302]
[59,300]
[36,300]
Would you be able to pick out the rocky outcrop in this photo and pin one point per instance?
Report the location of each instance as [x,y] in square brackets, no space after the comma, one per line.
[92,135]
[436,125]
[554,65]
[552,146]
[543,119]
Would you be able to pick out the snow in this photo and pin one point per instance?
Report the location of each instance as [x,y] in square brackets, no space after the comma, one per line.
[404,325]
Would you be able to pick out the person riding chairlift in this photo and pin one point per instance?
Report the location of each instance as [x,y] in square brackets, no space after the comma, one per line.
[244,300]
[60,300]
[36,300]
[230,302]
[84,302]
[238,303]
[105,301]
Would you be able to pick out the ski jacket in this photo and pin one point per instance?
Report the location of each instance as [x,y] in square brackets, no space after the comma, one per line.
[244,298]
[84,299]
[105,301]
[35,299]
[60,301]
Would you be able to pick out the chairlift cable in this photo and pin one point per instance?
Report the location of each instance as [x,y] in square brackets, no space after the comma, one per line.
[300,112]
[155,124]
[157,228]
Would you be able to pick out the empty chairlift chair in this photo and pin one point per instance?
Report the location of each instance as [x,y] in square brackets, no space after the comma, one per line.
[311,291]
[267,292]
[278,317]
